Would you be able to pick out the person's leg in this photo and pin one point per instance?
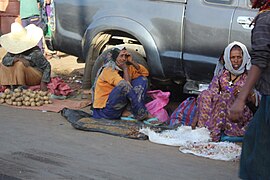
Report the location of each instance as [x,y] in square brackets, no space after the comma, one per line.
[115,104]
[18,74]
[136,97]
[117,101]
[140,85]
[12,75]
[255,161]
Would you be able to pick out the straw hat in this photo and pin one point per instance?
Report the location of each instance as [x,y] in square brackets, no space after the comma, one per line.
[21,39]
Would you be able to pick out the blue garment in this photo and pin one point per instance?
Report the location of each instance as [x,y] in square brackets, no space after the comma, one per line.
[36,20]
[255,157]
[121,95]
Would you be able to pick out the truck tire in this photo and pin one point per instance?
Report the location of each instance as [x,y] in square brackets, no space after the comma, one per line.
[99,62]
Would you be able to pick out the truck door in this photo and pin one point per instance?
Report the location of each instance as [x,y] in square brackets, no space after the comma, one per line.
[241,29]
[207,33]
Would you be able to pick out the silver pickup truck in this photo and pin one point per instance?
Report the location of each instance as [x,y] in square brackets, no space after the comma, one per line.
[179,40]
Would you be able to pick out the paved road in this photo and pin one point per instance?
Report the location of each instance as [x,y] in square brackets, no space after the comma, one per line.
[43,145]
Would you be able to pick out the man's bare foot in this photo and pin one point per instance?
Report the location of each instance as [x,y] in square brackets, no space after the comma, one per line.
[126,113]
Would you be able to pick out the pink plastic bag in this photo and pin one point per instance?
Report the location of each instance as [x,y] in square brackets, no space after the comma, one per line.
[156,107]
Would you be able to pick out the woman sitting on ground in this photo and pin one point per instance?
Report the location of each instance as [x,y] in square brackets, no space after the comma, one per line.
[121,81]
[24,63]
[213,104]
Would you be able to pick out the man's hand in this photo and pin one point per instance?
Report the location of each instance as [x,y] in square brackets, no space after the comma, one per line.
[43,86]
[121,64]
[130,60]
[236,111]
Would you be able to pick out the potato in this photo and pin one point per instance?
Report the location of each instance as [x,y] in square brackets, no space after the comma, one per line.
[46,102]
[19,103]
[44,93]
[37,99]
[31,100]
[8,101]
[33,103]
[26,98]
[13,98]
[38,104]
[7,91]
[17,90]
[2,101]
[27,103]
[14,103]
[24,91]
[50,102]
[19,99]
[3,95]
[46,98]
[8,96]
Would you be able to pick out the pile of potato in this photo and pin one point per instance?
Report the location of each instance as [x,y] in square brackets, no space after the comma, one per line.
[25,97]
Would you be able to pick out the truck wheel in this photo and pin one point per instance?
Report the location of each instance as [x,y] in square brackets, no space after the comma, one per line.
[99,62]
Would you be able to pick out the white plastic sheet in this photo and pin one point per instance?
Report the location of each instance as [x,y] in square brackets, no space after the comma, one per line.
[182,136]
[196,142]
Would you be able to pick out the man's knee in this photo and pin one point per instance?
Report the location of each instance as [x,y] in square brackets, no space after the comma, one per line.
[19,65]
[125,86]
[142,78]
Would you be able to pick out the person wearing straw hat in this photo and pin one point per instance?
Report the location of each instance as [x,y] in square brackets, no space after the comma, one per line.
[24,64]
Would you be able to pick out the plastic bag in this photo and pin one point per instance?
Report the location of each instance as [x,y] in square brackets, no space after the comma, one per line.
[184,113]
[156,106]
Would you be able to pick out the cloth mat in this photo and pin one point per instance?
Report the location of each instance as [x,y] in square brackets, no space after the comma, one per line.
[57,105]
[84,121]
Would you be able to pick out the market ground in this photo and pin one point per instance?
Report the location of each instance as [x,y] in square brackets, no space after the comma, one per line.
[43,145]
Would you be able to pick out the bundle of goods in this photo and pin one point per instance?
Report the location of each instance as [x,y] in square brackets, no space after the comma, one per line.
[25,97]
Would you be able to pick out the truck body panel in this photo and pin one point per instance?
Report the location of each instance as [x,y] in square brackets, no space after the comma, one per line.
[181,39]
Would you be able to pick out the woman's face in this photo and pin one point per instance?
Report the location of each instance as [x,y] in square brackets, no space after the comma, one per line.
[236,57]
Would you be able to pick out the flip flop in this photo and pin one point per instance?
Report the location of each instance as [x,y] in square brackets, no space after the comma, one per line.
[128,118]
[152,121]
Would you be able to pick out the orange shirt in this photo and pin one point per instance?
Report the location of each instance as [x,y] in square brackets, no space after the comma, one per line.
[108,79]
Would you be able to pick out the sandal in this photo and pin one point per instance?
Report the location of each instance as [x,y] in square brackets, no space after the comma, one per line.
[152,121]
[128,118]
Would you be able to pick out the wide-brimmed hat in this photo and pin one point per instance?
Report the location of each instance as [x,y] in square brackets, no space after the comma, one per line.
[21,39]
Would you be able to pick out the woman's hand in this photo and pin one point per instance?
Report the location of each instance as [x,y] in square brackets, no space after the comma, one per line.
[193,125]
[236,91]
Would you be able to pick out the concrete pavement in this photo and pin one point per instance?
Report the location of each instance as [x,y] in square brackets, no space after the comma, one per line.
[43,145]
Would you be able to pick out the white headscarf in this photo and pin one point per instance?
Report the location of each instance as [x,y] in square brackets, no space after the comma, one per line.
[246,64]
